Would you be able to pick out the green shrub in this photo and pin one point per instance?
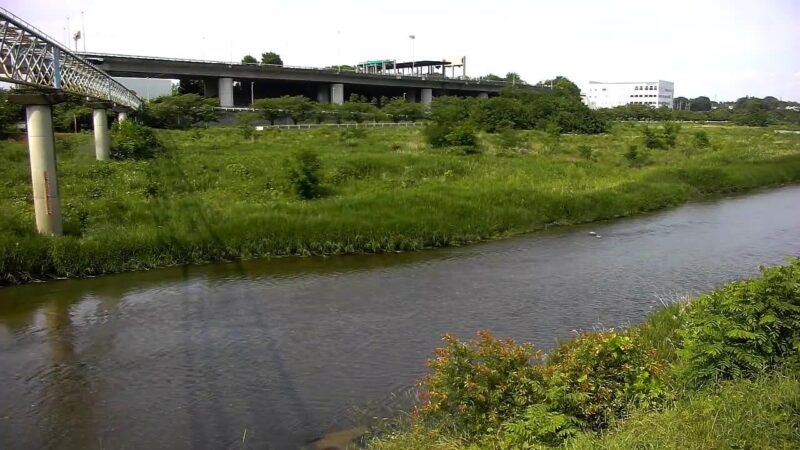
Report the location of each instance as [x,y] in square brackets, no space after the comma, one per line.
[744,328]
[671,131]
[447,134]
[635,157]
[651,139]
[130,140]
[597,376]
[586,152]
[700,139]
[303,169]
[476,385]
[538,426]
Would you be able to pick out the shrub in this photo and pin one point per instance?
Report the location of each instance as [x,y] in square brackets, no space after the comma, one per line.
[451,135]
[635,156]
[538,425]
[586,152]
[744,328]
[596,376]
[651,139]
[700,139]
[477,385]
[130,140]
[303,169]
[671,131]
[510,139]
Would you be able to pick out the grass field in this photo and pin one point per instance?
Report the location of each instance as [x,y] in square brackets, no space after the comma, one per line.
[215,195]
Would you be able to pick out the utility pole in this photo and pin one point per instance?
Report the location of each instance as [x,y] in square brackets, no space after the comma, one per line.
[413,58]
[83,33]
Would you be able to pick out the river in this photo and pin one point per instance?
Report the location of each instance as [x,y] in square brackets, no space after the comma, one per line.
[276,353]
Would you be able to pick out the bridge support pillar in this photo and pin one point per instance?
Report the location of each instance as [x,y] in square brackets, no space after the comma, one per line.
[426,96]
[337,93]
[226,92]
[41,144]
[102,142]
[483,95]
[324,94]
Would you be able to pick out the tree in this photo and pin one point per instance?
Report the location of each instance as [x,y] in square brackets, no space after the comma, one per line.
[249,59]
[680,103]
[10,113]
[271,58]
[399,109]
[180,111]
[700,104]
[189,87]
[513,77]
[564,84]
[492,77]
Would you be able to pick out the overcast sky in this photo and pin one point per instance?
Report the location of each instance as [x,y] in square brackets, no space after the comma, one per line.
[722,49]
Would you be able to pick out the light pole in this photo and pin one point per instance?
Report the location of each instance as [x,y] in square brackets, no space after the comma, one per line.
[413,62]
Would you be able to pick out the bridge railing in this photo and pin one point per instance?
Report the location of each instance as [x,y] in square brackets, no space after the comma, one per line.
[30,57]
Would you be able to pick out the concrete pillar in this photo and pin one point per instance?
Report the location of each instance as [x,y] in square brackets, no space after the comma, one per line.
[41,144]
[122,116]
[226,92]
[483,95]
[337,93]
[324,94]
[411,95]
[426,96]
[102,142]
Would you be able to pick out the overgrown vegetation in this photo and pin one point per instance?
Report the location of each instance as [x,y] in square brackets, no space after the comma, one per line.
[216,194]
[130,140]
[731,354]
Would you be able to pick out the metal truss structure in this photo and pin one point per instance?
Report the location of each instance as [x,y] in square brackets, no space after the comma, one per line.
[29,57]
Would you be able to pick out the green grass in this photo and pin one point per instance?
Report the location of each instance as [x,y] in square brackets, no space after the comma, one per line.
[217,196]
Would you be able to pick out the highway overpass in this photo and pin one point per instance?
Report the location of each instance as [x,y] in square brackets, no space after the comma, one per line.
[239,84]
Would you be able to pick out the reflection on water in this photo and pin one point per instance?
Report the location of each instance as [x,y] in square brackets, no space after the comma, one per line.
[275,354]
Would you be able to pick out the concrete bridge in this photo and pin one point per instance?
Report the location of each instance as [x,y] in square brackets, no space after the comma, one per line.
[262,81]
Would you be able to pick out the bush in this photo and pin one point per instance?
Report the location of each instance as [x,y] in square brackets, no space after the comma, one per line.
[451,135]
[477,385]
[745,328]
[651,139]
[635,156]
[303,170]
[586,152]
[700,139]
[538,426]
[671,131]
[597,376]
[129,140]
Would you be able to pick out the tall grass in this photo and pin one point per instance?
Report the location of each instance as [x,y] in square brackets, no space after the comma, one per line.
[214,195]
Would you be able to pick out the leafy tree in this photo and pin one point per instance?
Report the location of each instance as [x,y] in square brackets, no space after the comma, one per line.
[401,109]
[513,77]
[271,58]
[680,103]
[492,77]
[564,84]
[180,111]
[751,112]
[190,87]
[700,104]
[249,59]
[10,113]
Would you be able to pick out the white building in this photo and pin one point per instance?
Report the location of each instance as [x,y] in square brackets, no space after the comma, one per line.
[650,93]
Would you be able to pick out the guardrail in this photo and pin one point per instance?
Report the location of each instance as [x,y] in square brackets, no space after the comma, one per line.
[30,57]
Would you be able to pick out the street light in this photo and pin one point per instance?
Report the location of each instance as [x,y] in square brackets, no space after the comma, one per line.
[413,39]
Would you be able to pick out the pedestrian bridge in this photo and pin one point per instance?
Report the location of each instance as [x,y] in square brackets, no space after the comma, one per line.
[29,57]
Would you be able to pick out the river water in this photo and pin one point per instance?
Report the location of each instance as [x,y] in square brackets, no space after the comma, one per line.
[275,354]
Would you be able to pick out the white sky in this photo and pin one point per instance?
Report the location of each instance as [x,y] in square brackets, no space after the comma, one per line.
[722,49]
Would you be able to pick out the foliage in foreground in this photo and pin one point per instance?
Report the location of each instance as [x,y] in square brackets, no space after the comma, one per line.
[130,140]
[496,393]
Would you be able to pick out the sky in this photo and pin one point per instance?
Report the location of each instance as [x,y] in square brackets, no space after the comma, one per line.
[720,49]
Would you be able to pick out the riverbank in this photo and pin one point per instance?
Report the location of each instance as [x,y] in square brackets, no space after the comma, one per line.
[718,371]
[215,195]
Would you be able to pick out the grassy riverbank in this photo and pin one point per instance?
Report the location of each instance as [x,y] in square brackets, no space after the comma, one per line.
[720,371]
[215,195]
